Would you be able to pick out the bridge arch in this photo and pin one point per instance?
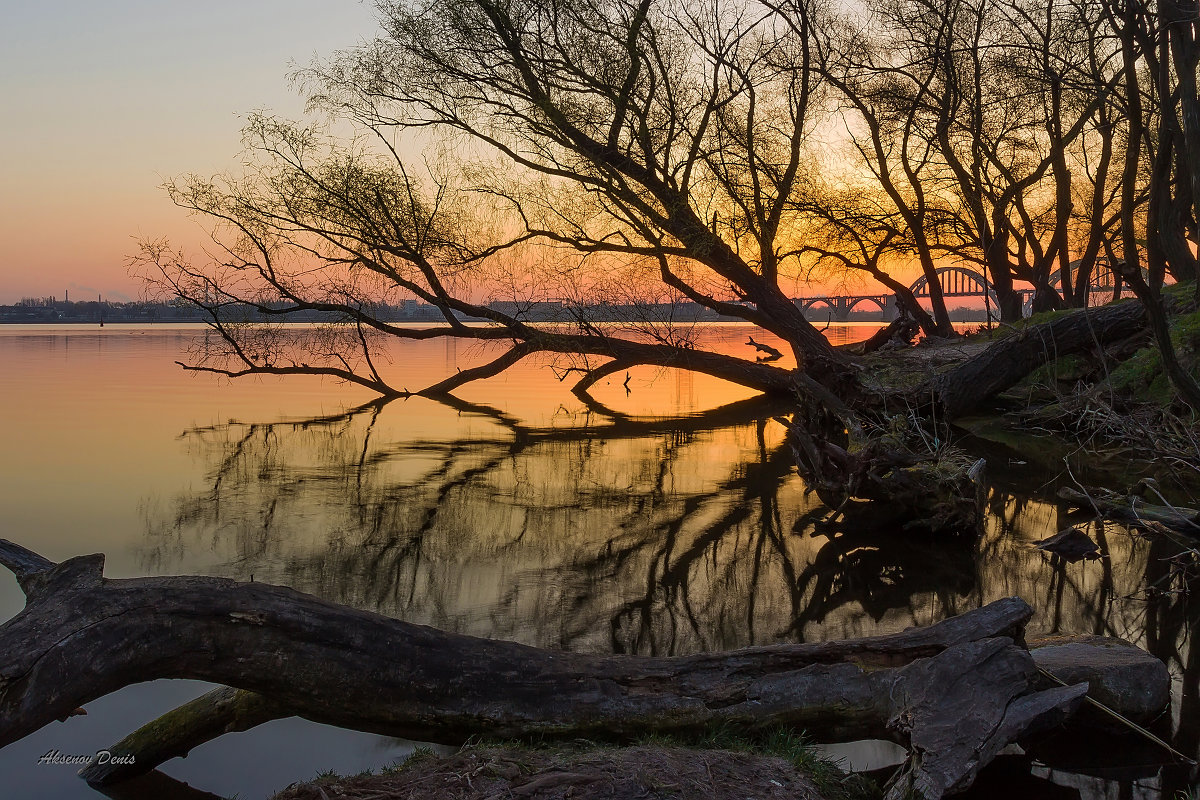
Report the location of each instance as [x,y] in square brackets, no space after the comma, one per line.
[879,301]
[1103,280]
[956,282]
[815,302]
[841,306]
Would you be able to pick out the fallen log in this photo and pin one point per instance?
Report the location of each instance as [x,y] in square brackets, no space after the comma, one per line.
[769,353]
[1120,675]
[176,733]
[1008,361]
[988,672]
[955,692]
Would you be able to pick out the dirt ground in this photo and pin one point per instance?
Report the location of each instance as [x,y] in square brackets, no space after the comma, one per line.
[633,773]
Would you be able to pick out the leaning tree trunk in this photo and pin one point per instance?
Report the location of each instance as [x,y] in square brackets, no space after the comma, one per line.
[956,692]
[1008,361]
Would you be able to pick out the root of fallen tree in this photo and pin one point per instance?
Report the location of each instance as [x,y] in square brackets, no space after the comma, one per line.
[954,693]
[884,459]
[883,483]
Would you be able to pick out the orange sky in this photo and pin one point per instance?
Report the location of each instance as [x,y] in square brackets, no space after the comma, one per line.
[102,101]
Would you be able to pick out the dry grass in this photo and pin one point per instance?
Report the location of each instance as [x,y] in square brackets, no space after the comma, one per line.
[645,772]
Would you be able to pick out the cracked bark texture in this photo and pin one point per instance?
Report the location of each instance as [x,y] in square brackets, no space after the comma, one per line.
[81,636]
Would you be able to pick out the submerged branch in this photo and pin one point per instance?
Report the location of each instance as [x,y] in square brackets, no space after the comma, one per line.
[341,373]
[491,369]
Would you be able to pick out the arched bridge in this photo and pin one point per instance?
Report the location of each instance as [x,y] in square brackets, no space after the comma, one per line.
[842,306]
[1102,279]
[955,282]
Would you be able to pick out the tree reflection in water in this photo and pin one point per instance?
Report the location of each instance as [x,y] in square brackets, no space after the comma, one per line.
[608,533]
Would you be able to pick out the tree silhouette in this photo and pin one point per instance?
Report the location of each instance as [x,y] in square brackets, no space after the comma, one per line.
[638,146]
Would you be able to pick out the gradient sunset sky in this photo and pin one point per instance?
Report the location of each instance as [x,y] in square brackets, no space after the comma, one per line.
[102,101]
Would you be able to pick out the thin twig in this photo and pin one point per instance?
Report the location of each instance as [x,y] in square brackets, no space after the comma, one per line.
[1123,720]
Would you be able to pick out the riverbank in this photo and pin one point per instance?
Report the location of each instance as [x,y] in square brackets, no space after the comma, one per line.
[779,766]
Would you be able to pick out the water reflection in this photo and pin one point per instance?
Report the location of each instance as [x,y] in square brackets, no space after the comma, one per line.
[623,534]
[653,536]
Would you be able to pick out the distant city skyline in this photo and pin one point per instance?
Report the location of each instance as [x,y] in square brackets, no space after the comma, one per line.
[105,101]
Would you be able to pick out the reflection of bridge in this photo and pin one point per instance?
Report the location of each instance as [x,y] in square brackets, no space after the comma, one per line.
[955,282]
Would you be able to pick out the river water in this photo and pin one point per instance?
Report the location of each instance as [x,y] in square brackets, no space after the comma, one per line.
[664,518]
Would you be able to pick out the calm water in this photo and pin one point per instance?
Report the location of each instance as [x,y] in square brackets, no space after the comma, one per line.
[665,520]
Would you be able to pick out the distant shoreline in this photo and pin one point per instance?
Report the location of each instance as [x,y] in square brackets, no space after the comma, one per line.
[51,312]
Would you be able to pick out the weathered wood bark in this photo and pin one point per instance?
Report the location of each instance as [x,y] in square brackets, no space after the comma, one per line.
[82,636]
[1006,362]
[972,688]
[1122,676]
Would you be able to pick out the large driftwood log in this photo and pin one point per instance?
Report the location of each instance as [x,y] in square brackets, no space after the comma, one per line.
[1009,360]
[955,692]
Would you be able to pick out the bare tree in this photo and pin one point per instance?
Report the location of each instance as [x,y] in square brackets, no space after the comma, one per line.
[656,141]
[885,82]
[851,230]
[1019,84]
[655,154]
[1165,41]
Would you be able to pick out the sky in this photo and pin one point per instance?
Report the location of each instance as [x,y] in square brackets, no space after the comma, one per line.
[102,101]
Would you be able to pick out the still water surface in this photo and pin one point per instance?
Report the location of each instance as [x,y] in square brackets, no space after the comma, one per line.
[664,520]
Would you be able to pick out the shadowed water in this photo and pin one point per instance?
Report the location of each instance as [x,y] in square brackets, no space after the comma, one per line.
[668,520]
